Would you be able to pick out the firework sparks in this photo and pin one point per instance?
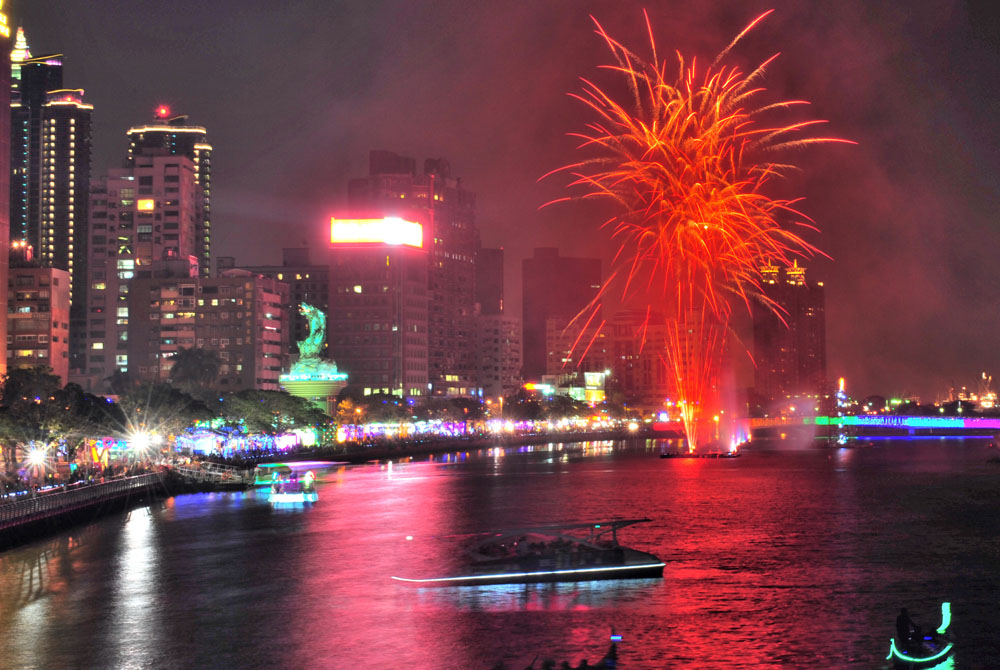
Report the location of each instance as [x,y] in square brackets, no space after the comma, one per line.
[687,159]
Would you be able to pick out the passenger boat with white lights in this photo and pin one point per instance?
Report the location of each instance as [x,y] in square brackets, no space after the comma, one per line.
[735,453]
[550,553]
[928,652]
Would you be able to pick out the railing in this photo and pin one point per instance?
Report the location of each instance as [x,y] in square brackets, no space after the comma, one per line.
[215,473]
[23,510]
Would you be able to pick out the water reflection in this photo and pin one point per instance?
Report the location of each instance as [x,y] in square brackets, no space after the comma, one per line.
[567,596]
[783,559]
[135,598]
[33,572]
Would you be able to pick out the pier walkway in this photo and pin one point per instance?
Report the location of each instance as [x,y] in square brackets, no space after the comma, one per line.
[29,509]
[207,473]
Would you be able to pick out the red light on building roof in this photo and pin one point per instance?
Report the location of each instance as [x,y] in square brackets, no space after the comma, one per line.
[162,112]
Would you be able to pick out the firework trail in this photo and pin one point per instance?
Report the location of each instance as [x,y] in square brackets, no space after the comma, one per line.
[686,159]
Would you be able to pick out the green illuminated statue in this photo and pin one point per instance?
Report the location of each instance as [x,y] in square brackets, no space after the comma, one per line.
[309,364]
[311,346]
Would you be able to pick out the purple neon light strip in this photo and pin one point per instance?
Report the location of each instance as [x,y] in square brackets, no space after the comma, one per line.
[893,421]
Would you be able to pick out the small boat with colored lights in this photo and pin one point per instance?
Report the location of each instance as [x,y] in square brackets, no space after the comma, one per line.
[294,491]
[550,553]
[929,651]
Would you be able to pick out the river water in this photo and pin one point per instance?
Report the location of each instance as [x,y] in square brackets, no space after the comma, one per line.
[782,558]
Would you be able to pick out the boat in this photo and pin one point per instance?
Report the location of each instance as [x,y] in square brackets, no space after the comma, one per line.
[929,652]
[550,553]
[706,454]
[293,491]
[265,473]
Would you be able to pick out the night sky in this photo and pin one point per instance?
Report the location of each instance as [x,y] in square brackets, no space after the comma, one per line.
[294,95]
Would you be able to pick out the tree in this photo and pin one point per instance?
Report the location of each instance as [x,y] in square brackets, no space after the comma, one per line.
[119,382]
[347,412]
[37,413]
[563,407]
[194,369]
[522,406]
[384,408]
[268,412]
[158,408]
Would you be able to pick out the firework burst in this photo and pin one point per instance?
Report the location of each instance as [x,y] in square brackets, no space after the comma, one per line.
[686,159]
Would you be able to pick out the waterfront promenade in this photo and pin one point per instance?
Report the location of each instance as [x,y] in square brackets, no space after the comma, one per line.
[29,513]
[393,449]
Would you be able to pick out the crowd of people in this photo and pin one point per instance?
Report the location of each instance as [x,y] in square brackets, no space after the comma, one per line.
[17,485]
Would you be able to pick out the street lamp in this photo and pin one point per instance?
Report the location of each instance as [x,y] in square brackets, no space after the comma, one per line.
[36,457]
[140,442]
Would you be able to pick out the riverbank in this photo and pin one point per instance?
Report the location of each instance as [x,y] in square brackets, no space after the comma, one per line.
[394,450]
[88,503]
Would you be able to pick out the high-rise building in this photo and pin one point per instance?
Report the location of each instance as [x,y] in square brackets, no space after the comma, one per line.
[32,79]
[50,155]
[50,158]
[378,315]
[138,215]
[65,179]
[242,317]
[172,136]
[441,203]
[65,199]
[553,286]
[489,281]
[5,151]
[790,344]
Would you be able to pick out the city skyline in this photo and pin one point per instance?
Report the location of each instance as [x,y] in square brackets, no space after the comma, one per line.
[906,215]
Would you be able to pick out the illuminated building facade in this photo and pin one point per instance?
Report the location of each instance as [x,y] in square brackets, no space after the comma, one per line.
[65,187]
[38,314]
[378,304]
[65,179]
[442,204]
[242,317]
[138,215]
[553,286]
[32,79]
[307,283]
[790,349]
[171,135]
[50,160]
